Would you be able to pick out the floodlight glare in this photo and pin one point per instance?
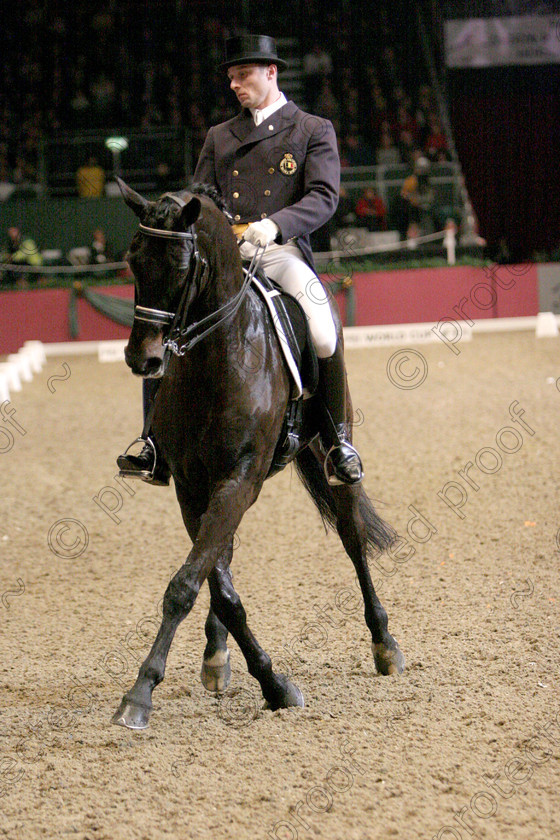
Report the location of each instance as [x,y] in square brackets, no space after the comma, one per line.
[116,144]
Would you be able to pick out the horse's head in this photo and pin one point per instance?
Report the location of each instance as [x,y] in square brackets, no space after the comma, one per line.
[159,256]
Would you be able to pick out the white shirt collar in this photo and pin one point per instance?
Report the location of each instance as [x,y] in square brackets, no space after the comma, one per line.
[262,114]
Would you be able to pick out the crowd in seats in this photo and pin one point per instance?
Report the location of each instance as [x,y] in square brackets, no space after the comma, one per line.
[385,126]
[119,64]
[372,84]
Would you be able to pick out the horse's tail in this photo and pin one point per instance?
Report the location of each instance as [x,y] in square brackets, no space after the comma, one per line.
[379,534]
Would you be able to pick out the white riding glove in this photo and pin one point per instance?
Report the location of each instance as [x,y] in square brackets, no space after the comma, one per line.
[261,233]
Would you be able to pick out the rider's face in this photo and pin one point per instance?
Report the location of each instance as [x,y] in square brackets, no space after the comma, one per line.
[253,84]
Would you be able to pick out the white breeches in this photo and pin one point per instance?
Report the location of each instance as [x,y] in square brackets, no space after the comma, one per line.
[285,265]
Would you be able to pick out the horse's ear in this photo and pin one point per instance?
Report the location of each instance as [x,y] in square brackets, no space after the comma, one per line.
[132,199]
[190,212]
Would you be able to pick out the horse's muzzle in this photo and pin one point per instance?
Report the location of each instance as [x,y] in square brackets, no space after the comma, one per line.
[146,358]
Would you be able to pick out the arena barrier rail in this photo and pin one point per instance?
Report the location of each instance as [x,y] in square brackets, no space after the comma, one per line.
[120,310]
[21,366]
[447,236]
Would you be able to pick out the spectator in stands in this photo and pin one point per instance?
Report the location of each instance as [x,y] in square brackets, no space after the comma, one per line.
[398,98]
[436,145]
[317,65]
[379,113]
[152,116]
[163,176]
[345,212]
[90,179]
[103,98]
[417,200]
[91,77]
[371,211]
[350,110]
[424,107]
[390,70]
[19,250]
[101,251]
[197,127]
[407,147]
[326,104]
[7,185]
[356,152]
[222,110]
[81,109]
[317,62]
[24,173]
[387,153]
[405,122]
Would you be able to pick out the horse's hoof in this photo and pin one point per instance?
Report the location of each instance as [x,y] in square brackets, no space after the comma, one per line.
[132,715]
[215,673]
[288,695]
[388,660]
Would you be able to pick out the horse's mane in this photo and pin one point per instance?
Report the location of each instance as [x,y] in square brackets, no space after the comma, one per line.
[215,195]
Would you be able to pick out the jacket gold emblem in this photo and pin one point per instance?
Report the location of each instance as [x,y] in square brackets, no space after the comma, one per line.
[288,165]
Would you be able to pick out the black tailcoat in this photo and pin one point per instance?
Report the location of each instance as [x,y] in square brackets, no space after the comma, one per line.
[286,169]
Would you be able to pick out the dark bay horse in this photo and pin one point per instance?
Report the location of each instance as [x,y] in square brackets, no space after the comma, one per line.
[217,427]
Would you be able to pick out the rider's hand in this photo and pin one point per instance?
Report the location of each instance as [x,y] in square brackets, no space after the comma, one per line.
[261,233]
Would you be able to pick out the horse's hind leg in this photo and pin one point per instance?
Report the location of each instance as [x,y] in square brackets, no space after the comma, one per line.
[355,517]
[277,689]
[215,674]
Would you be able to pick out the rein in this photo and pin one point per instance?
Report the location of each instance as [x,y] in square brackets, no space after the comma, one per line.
[182,338]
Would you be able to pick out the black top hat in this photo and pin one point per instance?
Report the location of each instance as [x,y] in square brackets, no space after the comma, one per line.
[251,49]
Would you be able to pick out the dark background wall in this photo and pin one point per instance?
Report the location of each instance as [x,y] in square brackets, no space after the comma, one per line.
[506,123]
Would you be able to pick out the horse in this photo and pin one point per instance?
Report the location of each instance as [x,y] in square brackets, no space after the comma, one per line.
[218,428]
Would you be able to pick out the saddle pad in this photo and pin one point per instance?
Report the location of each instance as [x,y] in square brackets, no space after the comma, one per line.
[273,299]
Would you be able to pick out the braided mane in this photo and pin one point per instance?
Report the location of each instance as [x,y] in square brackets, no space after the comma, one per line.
[217,198]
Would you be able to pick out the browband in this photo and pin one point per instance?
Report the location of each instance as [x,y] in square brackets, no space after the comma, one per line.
[153,316]
[166,234]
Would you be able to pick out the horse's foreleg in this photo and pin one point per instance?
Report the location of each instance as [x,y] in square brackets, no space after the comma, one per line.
[352,530]
[277,690]
[214,539]
[180,595]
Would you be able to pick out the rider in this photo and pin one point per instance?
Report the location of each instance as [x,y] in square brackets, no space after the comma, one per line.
[279,170]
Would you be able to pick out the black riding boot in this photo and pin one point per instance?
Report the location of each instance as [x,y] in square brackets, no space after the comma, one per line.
[149,464]
[342,464]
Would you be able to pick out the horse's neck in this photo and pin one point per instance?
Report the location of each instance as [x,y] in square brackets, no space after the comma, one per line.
[223,280]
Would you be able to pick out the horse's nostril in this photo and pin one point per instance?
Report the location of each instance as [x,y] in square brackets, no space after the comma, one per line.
[152,364]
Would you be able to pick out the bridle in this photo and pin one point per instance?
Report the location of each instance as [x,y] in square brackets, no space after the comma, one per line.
[181,337]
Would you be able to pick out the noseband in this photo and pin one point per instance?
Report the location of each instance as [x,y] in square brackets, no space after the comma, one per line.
[159,317]
[181,338]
